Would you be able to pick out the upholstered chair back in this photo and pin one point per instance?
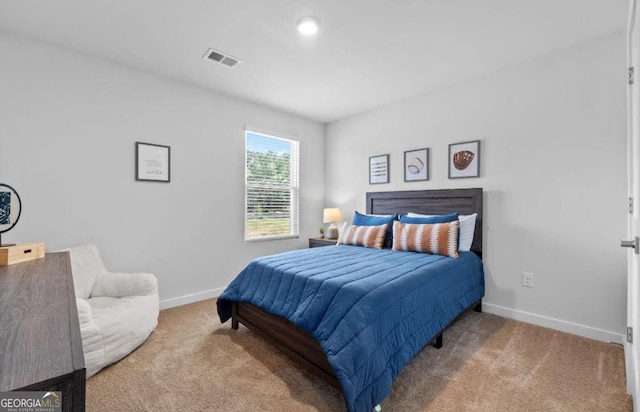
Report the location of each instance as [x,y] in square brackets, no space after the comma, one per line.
[86,265]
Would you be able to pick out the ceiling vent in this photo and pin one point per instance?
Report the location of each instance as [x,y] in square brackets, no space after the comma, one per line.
[220,57]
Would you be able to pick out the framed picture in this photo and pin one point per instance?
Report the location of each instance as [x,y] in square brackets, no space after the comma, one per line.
[464,159]
[416,165]
[379,169]
[10,209]
[153,162]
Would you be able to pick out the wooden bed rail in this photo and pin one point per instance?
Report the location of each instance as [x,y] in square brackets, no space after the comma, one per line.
[298,343]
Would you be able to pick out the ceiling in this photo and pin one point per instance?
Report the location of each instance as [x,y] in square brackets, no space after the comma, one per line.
[367,54]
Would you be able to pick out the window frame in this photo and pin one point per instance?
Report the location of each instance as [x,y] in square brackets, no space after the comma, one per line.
[294,185]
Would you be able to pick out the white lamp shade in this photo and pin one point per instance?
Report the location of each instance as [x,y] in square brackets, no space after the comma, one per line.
[331,215]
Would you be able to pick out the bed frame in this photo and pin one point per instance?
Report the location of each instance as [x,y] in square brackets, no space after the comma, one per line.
[299,344]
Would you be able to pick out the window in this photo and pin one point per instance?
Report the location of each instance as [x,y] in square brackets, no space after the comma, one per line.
[271,187]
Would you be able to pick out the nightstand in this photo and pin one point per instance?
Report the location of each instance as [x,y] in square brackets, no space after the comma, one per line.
[320,241]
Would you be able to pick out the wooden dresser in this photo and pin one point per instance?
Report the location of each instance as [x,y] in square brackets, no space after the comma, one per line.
[40,342]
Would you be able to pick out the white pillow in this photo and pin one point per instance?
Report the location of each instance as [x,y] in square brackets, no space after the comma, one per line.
[341,232]
[467,229]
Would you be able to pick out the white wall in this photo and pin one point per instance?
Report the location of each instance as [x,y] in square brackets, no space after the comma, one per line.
[68,124]
[553,170]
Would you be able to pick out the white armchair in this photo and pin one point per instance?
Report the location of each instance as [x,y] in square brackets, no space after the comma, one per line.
[117,311]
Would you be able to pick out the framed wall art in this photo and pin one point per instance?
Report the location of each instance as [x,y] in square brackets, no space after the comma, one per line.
[153,162]
[416,165]
[10,210]
[464,159]
[379,169]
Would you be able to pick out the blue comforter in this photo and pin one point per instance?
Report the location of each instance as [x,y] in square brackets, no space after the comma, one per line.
[371,310]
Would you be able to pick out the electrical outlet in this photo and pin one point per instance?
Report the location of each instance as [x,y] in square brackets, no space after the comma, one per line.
[527,279]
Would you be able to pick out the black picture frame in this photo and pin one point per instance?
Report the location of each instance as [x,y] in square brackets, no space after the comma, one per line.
[464,159]
[379,169]
[416,165]
[10,210]
[153,162]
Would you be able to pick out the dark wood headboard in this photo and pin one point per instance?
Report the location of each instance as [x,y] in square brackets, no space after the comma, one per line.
[431,202]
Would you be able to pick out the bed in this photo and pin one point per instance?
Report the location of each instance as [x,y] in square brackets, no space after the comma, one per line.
[359,315]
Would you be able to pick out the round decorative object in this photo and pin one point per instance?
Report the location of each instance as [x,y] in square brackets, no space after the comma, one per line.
[10,209]
[462,160]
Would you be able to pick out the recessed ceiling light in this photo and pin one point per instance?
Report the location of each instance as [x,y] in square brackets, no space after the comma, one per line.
[308,25]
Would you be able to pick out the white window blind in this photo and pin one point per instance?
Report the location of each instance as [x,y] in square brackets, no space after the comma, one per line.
[271,187]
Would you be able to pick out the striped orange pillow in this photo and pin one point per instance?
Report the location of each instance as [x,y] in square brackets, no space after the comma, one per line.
[438,239]
[367,236]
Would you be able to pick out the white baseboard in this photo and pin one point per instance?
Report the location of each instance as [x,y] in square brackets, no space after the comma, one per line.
[544,321]
[194,297]
[557,324]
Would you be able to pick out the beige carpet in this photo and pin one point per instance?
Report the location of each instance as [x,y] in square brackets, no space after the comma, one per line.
[488,363]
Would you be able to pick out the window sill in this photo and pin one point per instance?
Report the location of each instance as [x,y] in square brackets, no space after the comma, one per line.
[281,237]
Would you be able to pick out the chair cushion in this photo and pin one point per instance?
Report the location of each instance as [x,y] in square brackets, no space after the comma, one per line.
[117,285]
[125,323]
[92,348]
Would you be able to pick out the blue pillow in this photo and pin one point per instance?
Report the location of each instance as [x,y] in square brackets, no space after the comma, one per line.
[430,220]
[374,220]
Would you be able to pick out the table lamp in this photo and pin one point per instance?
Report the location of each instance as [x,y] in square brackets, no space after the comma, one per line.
[332,215]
